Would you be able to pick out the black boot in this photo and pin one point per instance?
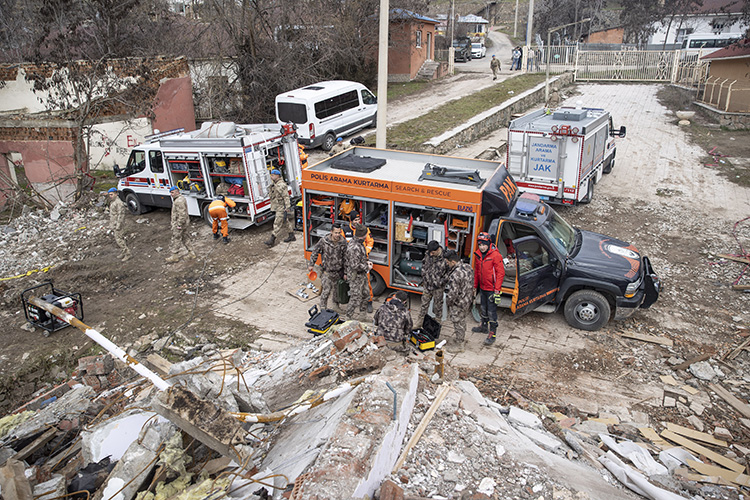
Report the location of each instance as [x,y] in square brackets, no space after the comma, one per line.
[216,236]
[226,239]
[482,328]
[270,241]
[289,238]
[369,307]
[492,334]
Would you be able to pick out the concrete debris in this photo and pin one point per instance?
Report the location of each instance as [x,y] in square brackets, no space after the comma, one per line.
[704,371]
[53,488]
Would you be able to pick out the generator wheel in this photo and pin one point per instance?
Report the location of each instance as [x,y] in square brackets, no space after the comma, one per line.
[377,282]
[134,204]
[206,216]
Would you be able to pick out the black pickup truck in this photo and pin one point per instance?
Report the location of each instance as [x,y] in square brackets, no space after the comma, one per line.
[462,49]
[552,265]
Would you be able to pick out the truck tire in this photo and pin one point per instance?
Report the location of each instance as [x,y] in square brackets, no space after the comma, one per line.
[206,216]
[609,166]
[589,194]
[377,282]
[328,141]
[587,310]
[134,204]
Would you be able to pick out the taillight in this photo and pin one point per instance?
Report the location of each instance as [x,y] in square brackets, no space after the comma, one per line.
[312,131]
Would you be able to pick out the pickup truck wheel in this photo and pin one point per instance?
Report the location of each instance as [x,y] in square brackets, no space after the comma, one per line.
[609,166]
[328,141]
[134,204]
[377,283]
[587,310]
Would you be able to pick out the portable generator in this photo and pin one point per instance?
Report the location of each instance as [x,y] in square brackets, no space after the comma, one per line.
[71,303]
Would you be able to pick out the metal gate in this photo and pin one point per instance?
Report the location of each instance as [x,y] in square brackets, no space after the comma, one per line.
[627,65]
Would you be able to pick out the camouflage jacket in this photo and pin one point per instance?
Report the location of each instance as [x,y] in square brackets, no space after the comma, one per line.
[279,196]
[331,254]
[393,321]
[116,214]
[355,258]
[180,217]
[434,272]
[459,292]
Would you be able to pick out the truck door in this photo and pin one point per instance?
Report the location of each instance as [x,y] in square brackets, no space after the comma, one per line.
[537,275]
[158,181]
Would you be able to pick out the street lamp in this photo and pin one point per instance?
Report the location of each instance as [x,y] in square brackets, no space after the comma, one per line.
[549,41]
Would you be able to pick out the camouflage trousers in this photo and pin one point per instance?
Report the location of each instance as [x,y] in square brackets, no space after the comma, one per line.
[328,283]
[280,226]
[437,305]
[120,240]
[357,294]
[179,241]
[457,316]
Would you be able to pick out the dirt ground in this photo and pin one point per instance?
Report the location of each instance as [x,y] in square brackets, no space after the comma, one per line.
[233,294]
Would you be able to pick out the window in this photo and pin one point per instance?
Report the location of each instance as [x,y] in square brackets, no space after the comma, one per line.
[419,39]
[290,112]
[157,165]
[368,98]
[136,162]
[336,104]
[531,256]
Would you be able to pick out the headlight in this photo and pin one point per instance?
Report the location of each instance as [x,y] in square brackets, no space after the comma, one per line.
[633,288]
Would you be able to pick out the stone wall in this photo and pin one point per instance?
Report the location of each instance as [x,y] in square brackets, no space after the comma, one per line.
[730,121]
[492,119]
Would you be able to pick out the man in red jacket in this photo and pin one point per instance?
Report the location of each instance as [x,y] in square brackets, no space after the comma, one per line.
[488,281]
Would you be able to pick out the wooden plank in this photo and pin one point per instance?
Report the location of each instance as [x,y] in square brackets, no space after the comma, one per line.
[686,364]
[735,353]
[693,434]
[730,398]
[647,338]
[656,440]
[732,257]
[158,364]
[690,389]
[36,444]
[712,470]
[741,287]
[668,379]
[695,447]
[444,390]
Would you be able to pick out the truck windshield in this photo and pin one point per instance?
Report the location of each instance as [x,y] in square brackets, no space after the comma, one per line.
[562,234]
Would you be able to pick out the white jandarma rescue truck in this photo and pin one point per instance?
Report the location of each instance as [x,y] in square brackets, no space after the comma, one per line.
[561,154]
[233,159]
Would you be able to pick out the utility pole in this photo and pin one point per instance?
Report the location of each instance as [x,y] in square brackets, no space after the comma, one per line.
[515,23]
[382,76]
[530,23]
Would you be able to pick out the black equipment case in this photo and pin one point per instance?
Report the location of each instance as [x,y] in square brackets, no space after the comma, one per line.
[321,321]
[425,338]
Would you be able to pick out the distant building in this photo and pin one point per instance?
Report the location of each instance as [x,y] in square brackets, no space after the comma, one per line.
[474,25]
[411,44]
[713,16]
[728,84]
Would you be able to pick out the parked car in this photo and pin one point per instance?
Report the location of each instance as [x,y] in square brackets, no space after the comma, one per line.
[478,50]
[462,46]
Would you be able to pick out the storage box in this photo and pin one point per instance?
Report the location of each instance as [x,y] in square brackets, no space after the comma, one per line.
[424,338]
[402,232]
[342,292]
[321,321]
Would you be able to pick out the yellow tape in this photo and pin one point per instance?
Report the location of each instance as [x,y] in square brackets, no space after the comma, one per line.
[28,273]
[82,227]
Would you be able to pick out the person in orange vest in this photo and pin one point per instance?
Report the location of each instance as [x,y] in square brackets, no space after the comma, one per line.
[302,156]
[369,242]
[218,212]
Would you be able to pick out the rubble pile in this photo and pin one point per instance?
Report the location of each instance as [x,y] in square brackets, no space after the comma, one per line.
[38,240]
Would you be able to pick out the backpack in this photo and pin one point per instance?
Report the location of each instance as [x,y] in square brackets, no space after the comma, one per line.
[236,190]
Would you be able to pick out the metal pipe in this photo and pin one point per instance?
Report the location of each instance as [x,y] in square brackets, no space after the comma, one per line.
[103,341]
[395,398]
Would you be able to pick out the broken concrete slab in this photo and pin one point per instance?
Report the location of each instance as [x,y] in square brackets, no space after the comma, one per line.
[13,482]
[467,387]
[113,437]
[524,418]
[206,422]
[591,427]
[544,439]
[71,404]
[56,487]
[696,423]
[703,370]
[136,463]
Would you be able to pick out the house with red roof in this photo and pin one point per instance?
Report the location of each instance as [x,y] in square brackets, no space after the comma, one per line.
[728,84]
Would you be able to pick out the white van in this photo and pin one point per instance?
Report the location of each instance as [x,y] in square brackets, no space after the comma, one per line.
[706,43]
[327,110]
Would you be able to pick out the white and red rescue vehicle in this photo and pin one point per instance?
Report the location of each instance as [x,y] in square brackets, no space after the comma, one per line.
[560,154]
[219,158]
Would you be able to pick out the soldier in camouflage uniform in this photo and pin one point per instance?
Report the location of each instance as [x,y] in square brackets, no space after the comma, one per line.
[459,293]
[116,217]
[434,277]
[394,321]
[281,205]
[331,250]
[179,223]
[357,266]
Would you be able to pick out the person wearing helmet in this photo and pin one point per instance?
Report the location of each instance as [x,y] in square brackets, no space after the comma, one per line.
[116,218]
[282,207]
[489,273]
[179,225]
[338,147]
[218,212]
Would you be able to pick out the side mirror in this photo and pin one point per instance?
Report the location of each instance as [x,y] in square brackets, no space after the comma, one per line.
[622,131]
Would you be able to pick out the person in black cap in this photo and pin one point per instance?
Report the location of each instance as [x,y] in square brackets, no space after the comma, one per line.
[434,277]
